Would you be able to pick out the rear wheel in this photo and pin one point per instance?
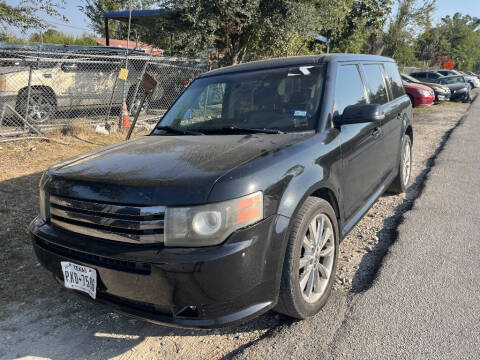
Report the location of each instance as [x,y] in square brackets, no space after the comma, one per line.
[310,260]
[468,97]
[41,106]
[400,184]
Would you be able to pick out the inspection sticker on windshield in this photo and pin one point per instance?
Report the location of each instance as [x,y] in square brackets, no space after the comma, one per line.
[300,113]
[80,278]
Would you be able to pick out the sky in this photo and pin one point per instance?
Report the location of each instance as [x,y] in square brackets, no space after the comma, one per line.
[78,24]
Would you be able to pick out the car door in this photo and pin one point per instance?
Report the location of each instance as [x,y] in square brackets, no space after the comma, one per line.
[94,79]
[361,152]
[395,112]
[376,84]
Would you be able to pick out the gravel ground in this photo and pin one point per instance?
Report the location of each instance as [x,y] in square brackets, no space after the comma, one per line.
[40,319]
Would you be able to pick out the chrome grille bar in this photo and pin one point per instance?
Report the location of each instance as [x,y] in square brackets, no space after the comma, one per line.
[108,208]
[104,221]
[133,224]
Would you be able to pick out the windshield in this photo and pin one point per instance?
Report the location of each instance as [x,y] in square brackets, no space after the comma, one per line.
[451,80]
[284,99]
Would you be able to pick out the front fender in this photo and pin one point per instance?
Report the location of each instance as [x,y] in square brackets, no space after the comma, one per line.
[287,176]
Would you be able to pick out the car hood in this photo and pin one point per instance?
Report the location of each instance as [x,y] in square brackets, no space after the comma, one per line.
[162,170]
[456,86]
[432,85]
[416,86]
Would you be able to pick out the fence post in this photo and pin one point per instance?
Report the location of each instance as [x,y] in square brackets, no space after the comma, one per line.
[111,99]
[134,97]
[29,88]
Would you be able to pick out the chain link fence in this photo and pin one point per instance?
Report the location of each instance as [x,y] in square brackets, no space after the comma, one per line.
[42,90]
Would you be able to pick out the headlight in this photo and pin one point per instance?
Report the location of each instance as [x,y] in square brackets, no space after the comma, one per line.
[211,224]
[44,202]
[424,92]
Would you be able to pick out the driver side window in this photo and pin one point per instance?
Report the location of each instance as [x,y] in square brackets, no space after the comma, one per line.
[349,89]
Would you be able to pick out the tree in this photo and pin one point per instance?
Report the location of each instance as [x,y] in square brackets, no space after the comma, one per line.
[411,17]
[29,13]
[363,27]
[52,36]
[94,10]
[252,29]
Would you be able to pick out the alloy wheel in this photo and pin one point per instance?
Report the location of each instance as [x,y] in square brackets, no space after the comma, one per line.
[316,258]
[40,109]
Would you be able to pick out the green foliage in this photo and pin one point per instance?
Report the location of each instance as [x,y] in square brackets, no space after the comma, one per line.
[52,36]
[94,10]
[8,38]
[28,13]
[411,16]
[244,30]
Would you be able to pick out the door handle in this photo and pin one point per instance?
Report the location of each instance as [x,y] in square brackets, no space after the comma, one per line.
[376,132]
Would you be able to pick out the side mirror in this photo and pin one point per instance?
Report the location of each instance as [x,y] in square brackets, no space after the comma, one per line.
[361,113]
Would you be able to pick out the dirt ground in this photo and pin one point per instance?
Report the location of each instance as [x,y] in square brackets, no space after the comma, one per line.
[39,319]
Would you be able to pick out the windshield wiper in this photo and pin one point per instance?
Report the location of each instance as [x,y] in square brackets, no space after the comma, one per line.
[236,129]
[178,131]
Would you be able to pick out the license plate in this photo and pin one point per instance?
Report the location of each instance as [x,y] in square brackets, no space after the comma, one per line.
[80,278]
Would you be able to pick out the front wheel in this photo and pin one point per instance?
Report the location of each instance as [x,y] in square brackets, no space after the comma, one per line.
[400,184]
[310,260]
[41,106]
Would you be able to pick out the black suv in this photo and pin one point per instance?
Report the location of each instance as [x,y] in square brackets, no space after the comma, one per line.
[236,203]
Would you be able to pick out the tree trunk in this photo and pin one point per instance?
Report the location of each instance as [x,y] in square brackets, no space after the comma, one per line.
[376,43]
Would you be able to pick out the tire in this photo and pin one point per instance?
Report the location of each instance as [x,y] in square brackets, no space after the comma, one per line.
[293,298]
[41,106]
[400,184]
[468,98]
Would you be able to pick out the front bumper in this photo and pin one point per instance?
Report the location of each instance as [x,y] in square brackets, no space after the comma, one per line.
[459,95]
[442,96]
[184,287]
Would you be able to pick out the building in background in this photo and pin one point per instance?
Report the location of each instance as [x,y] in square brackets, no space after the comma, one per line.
[131,45]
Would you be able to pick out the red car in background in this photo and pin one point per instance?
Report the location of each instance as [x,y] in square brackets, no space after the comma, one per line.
[420,95]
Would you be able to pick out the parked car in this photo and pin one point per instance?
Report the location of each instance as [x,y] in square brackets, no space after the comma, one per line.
[85,80]
[458,86]
[426,76]
[473,74]
[441,92]
[237,201]
[420,95]
[472,80]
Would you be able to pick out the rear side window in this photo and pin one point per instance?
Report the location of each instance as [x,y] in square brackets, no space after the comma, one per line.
[375,84]
[349,89]
[395,79]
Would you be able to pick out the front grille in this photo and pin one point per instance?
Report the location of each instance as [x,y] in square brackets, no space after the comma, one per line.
[133,224]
